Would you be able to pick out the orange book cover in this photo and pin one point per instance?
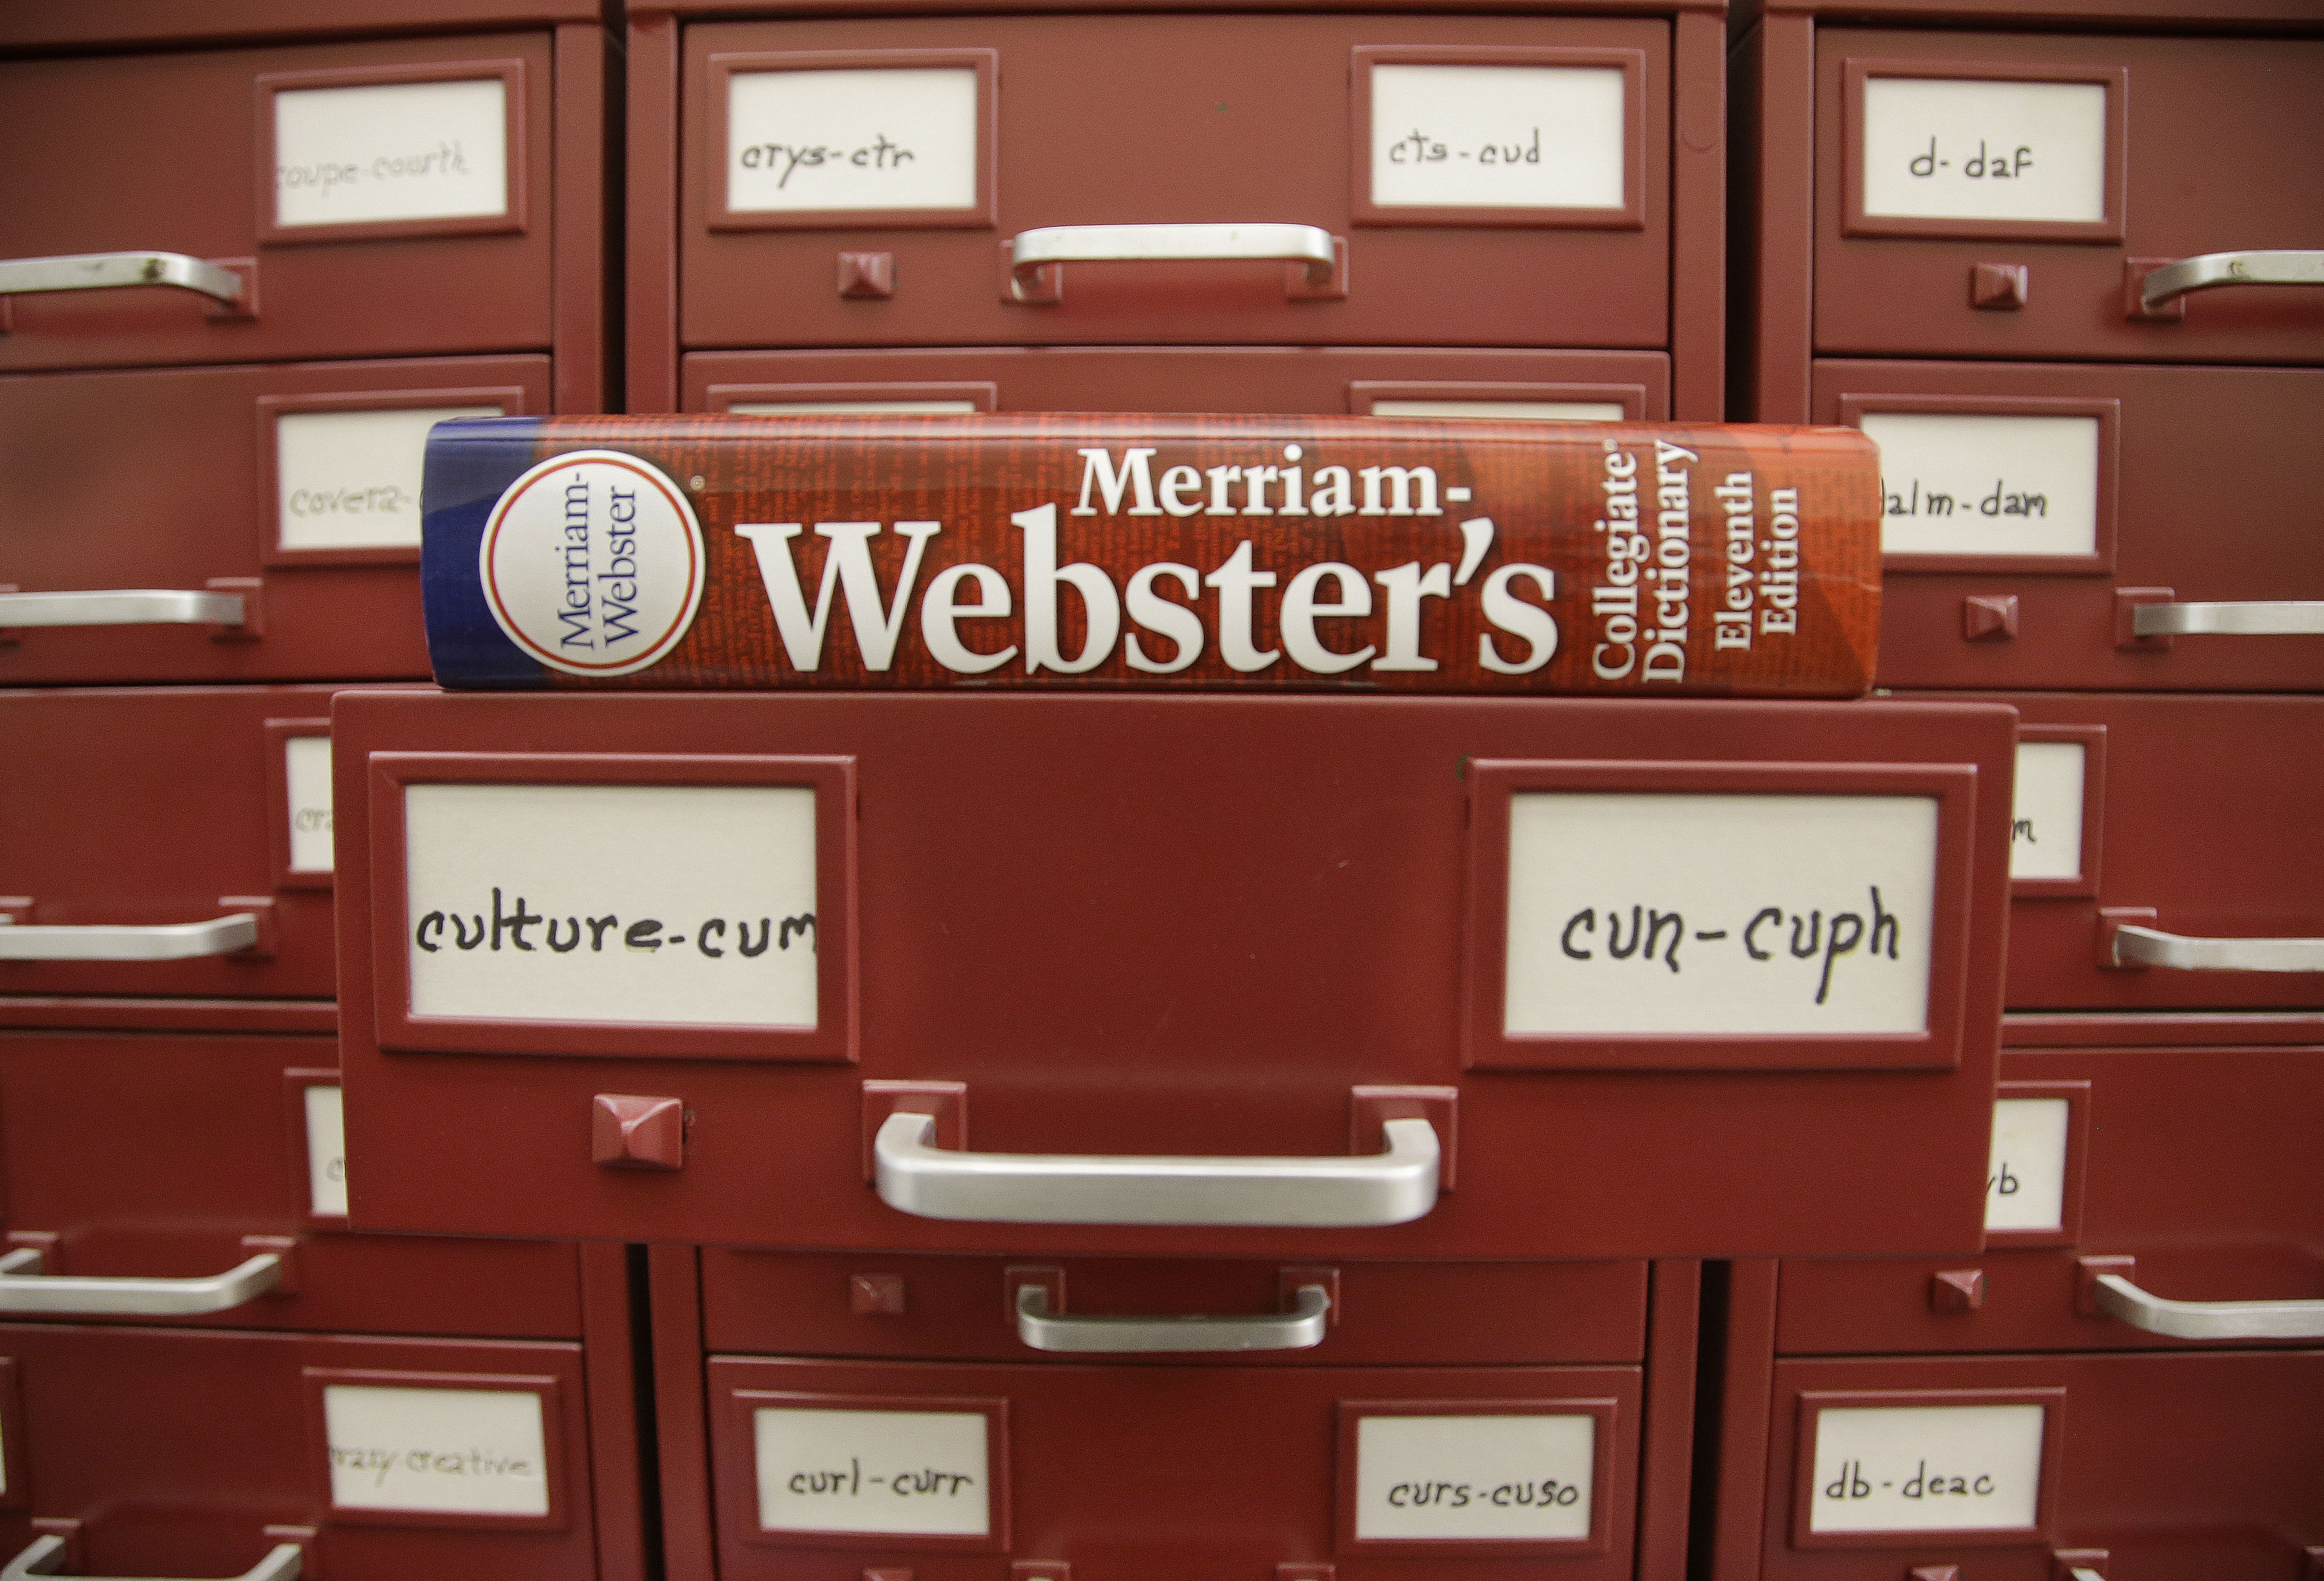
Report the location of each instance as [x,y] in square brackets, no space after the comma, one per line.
[1070,550]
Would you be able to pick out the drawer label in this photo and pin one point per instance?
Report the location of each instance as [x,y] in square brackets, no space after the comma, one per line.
[875,138]
[782,409]
[1986,483]
[1707,914]
[438,1451]
[1506,411]
[350,480]
[1498,136]
[388,151]
[691,905]
[1481,1477]
[1927,1468]
[1941,148]
[327,1152]
[2045,816]
[306,772]
[919,1473]
[2025,1184]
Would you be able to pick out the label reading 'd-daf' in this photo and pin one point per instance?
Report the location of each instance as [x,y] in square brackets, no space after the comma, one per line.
[1504,1478]
[1984,150]
[665,903]
[442,1451]
[1633,912]
[922,1472]
[592,562]
[1927,1468]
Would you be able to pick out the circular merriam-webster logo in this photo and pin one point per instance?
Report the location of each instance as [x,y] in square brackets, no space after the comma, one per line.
[593,563]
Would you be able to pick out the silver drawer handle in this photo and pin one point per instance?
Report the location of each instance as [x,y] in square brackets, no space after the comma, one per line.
[23,1288]
[88,272]
[2137,946]
[143,606]
[46,1556]
[2165,285]
[1393,1187]
[2281,618]
[1035,250]
[2118,1298]
[114,941]
[1294,1330]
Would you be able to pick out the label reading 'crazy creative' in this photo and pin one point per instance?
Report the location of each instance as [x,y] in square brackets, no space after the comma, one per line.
[1708,914]
[441,1451]
[1490,1478]
[654,904]
[307,776]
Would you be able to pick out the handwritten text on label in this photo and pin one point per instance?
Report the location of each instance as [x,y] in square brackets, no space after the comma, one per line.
[1927,1468]
[1498,136]
[307,775]
[616,904]
[2045,817]
[1708,914]
[327,1152]
[1480,1478]
[2025,1184]
[877,138]
[350,480]
[922,1472]
[1986,483]
[1965,148]
[446,1452]
[410,150]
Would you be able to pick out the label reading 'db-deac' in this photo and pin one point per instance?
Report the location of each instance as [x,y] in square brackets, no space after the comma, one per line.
[684,904]
[442,1451]
[922,1472]
[1490,1478]
[1708,913]
[1927,1468]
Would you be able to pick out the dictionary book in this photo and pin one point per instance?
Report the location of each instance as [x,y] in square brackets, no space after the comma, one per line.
[1070,550]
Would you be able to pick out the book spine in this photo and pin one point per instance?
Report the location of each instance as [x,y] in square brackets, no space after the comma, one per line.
[1077,551]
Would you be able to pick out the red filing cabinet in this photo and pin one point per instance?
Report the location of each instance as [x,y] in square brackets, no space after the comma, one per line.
[1350,949]
[186,842]
[1074,1416]
[931,185]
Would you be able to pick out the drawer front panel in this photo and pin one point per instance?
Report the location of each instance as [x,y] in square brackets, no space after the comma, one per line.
[949,141]
[2241,1225]
[966,1308]
[1127,1470]
[1364,380]
[295,487]
[2031,509]
[1299,918]
[374,198]
[1914,129]
[2169,1464]
[164,809]
[177,1157]
[189,1453]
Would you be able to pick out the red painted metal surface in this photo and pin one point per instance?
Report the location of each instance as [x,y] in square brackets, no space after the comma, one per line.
[2195,1167]
[155,1155]
[1193,986]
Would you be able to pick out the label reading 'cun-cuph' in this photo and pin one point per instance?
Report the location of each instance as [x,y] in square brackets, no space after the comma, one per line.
[655,903]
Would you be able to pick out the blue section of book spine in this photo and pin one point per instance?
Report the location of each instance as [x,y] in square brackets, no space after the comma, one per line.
[470,461]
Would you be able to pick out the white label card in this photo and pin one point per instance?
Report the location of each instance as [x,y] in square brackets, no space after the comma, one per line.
[440,1451]
[2025,1185]
[1713,914]
[690,905]
[1514,411]
[874,138]
[1498,136]
[1986,483]
[404,151]
[2045,816]
[1938,148]
[327,1152]
[921,1473]
[788,408]
[307,775]
[1927,1468]
[351,479]
[1493,1478]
